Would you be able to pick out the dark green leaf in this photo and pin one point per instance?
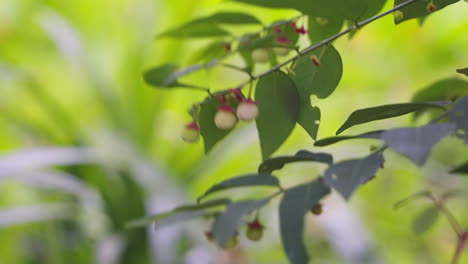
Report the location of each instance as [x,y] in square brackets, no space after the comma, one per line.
[196,30]
[332,140]
[208,130]
[346,176]
[446,89]
[261,179]
[228,222]
[384,111]
[463,71]
[295,204]
[321,28]
[459,115]
[419,9]
[461,169]
[278,104]
[278,162]
[159,76]
[178,214]
[425,220]
[416,143]
[319,80]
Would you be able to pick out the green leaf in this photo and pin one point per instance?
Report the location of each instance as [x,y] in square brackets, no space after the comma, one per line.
[195,30]
[159,76]
[344,9]
[461,169]
[383,112]
[178,214]
[418,195]
[213,50]
[419,9]
[416,143]
[332,140]
[425,220]
[295,204]
[277,163]
[278,105]
[446,89]
[228,222]
[261,179]
[229,18]
[459,115]
[345,177]
[321,28]
[208,130]
[463,71]
[319,80]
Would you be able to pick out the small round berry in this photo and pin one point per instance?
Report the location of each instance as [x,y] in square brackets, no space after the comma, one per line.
[225,118]
[431,7]
[398,15]
[281,51]
[254,230]
[191,133]
[247,110]
[317,209]
[260,55]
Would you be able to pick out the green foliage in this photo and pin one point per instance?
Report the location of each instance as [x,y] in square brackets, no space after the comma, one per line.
[446,89]
[346,176]
[261,179]
[383,112]
[332,140]
[321,28]
[294,205]
[278,163]
[417,143]
[425,220]
[420,9]
[278,105]
[459,116]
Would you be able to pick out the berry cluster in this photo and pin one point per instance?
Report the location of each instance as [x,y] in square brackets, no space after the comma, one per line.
[253,232]
[226,116]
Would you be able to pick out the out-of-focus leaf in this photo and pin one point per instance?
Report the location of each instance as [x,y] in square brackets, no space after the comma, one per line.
[346,176]
[446,89]
[167,75]
[459,115]
[332,140]
[321,28]
[229,18]
[416,143]
[195,30]
[461,169]
[229,221]
[208,130]
[425,220]
[278,104]
[419,9]
[463,71]
[295,204]
[321,79]
[385,111]
[178,214]
[303,155]
[261,179]
[211,51]
[418,195]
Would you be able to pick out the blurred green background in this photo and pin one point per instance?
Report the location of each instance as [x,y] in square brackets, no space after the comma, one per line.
[86,146]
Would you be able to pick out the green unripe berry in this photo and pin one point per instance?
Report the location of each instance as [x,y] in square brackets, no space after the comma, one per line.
[232,242]
[191,133]
[260,55]
[254,230]
[281,51]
